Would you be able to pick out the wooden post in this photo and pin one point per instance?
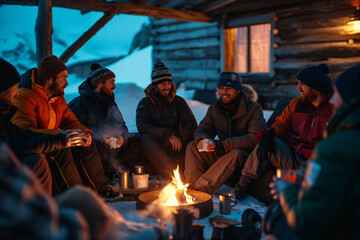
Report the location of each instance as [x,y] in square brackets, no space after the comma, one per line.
[87,35]
[43,30]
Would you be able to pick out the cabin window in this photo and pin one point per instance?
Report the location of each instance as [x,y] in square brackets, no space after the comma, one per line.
[248,49]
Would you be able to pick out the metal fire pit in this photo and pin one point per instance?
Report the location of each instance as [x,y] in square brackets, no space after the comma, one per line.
[205,205]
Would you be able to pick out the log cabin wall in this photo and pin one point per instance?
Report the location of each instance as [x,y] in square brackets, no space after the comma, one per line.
[192,51]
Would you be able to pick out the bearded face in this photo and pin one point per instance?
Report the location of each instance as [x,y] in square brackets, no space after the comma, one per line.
[307,93]
[58,84]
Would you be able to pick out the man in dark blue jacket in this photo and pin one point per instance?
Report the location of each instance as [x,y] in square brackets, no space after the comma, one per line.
[96,108]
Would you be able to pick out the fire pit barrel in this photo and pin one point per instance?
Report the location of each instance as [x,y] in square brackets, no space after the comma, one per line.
[204,204]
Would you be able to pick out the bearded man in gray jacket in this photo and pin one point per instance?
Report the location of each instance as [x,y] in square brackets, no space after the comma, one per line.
[235,119]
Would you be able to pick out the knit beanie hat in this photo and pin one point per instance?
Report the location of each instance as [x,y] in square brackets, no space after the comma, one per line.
[348,83]
[230,79]
[9,75]
[316,77]
[99,74]
[160,73]
[49,67]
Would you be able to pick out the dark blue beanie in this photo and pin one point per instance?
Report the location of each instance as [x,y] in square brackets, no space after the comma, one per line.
[316,77]
[348,83]
[230,79]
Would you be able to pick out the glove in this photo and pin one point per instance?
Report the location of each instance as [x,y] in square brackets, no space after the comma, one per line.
[266,145]
[219,148]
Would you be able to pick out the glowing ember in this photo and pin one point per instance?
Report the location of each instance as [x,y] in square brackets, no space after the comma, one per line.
[175,193]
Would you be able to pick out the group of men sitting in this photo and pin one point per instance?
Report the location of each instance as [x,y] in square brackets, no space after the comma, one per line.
[87,141]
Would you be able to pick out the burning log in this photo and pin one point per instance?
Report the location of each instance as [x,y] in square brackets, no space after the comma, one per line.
[180,196]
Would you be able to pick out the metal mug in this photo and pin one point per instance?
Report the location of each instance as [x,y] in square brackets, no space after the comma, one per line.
[182,226]
[124,179]
[139,169]
[225,203]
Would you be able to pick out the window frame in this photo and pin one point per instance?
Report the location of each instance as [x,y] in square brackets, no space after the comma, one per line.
[247,22]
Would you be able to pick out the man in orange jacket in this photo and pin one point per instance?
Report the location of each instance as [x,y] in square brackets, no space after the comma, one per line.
[42,108]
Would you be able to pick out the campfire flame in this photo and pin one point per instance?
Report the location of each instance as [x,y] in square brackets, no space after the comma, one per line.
[175,193]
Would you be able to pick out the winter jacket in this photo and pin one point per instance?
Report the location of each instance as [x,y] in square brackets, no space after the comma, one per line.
[39,113]
[238,131]
[99,112]
[163,117]
[328,203]
[23,141]
[306,123]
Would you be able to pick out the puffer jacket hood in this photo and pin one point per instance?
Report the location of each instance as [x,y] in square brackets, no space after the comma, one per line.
[150,92]
[247,91]
[26,79]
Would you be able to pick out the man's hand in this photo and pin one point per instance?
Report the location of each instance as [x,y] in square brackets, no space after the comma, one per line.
[87,139]
[175,143]
[114,142]
[73,137]
[206,145]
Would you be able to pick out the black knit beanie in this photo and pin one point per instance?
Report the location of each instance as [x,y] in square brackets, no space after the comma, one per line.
[9,75]
[98,74]
[230,79]
[348,83]
[50,67]
[160,73]
[316,77]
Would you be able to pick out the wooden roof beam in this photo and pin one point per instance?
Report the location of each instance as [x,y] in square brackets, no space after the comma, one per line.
[123,8]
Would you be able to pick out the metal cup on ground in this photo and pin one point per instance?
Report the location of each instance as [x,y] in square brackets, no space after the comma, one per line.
[139,169]
[124,179]
[182,226]
[225,203]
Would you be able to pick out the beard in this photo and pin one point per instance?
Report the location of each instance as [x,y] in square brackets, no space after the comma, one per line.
[56,90]
[310,96]
[106,91]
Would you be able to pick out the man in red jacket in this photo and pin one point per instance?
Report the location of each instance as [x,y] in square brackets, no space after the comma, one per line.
[303,121]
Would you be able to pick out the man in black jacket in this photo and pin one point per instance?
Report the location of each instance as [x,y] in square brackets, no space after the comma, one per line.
[96,108]
[28,146]
[165,122]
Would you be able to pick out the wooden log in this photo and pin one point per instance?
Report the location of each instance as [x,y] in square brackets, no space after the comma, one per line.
[183,27]
[317,50]
[209,6]
[43,30]
[186,44]
[317,38]
[87,35]
[317,35]
[193,63]
[185,35]
[334,18]
[199,74]
[195,53]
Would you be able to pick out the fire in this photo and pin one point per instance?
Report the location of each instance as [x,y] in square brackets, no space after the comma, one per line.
[175,193]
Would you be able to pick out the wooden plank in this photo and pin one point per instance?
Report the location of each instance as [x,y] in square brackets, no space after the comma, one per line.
[183,27]
[186,35]
[158,22]
[209,6]
[229,49]
[43,30]
[177,3]
[193,63]
[186,44]
[317,38]
[87,35]
[317,50]
[196,53]
[199,74]
[333,18]
[318,34]
[192,83]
